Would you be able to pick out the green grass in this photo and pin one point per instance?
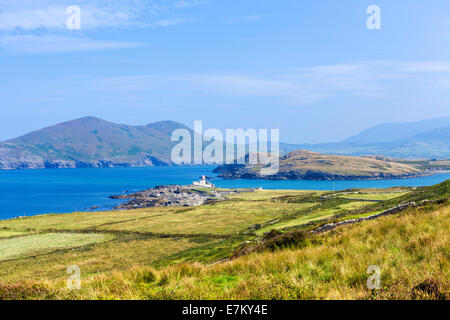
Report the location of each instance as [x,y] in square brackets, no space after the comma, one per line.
[270,194]
[372,196]
[93,259]
[172,253]
[154,236]
[26,245]
[7,233]
[314,216]
[410,250]
[207,253]
[223,218]
[79,220]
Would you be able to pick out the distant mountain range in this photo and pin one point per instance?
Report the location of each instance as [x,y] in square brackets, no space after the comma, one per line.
[93,142]
[90,142]
[423,139]
[391,132]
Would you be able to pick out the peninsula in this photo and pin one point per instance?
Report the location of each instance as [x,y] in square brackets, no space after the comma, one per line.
[306,165]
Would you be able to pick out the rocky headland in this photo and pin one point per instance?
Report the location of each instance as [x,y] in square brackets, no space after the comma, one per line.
[171,195]
[305,165]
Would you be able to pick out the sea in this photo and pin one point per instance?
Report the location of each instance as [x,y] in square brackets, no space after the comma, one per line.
[35,192]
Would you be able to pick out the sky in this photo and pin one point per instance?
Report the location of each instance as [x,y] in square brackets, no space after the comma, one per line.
[311,68]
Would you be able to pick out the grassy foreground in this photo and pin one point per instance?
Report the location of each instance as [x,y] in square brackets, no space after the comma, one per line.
[172,253]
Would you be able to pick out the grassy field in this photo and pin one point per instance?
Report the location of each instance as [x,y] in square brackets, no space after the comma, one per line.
[166,253]
[28,245]
[153,236]
[6,233]
[373,196]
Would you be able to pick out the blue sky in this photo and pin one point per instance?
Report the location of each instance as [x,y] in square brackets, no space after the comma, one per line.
[309,68]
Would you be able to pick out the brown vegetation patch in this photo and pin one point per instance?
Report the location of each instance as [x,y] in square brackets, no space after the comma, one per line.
[429,288]
[21,291]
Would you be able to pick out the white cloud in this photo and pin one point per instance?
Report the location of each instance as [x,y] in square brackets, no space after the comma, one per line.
[248,18]
[16,15]
[189,4]
[427,66]
[299,87]
[168,22]
[36,26]
[53,43]
[333,69]
[49,17]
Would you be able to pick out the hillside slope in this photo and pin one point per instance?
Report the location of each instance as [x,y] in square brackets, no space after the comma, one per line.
[306,165]
[169,253]
[90,142]
[410,251]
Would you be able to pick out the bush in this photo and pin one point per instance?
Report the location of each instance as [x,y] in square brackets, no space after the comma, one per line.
[23,291]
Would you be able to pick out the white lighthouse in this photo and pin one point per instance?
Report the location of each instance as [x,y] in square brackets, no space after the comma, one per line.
[203,183]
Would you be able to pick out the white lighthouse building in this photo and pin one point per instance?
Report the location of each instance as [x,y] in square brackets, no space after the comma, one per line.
[202,183]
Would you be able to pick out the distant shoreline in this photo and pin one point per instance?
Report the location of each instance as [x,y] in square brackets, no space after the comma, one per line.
[323,176]
[312,176]
[37,192]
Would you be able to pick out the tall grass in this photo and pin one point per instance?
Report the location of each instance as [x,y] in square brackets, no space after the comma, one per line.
[412,250]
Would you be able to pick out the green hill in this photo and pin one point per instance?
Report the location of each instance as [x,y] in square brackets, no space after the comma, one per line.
[90,142]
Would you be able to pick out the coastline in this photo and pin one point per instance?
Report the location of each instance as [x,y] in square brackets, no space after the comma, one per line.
[324,176]
[37,192]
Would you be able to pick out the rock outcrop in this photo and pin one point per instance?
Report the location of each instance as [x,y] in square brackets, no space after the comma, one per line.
[167,196]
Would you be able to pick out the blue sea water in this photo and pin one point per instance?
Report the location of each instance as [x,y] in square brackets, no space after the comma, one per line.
[32,192]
